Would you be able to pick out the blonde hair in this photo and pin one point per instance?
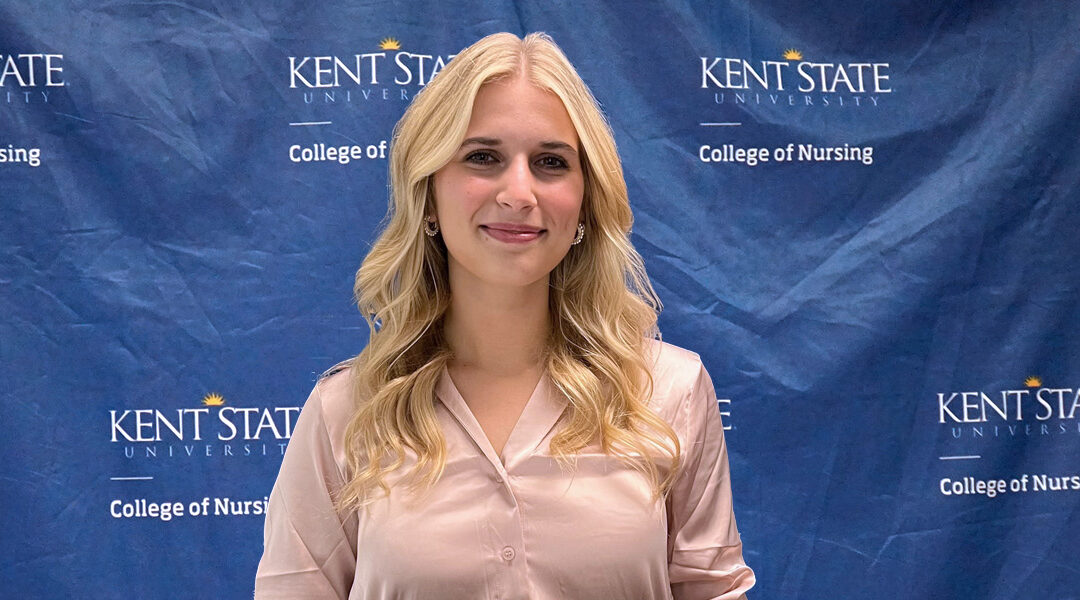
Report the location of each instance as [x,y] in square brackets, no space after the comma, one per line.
[603,309]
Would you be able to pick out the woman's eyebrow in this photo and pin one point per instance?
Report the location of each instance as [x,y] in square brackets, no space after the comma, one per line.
[546,145]
[481,141]
[557,145]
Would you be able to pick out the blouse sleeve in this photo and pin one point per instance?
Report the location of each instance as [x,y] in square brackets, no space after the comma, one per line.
[309,549]
[705,552]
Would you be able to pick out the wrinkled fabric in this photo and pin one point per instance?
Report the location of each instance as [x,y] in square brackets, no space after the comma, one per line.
[512,526]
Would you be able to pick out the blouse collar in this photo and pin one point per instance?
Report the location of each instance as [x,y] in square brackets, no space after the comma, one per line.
[541,413]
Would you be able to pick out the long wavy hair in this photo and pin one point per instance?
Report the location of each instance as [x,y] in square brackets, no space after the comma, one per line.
[603,309]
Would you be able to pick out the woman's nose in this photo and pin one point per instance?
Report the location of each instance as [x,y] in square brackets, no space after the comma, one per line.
[518,185]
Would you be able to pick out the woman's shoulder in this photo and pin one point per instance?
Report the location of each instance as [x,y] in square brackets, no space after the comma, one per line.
[676,372]
[672,364]
[332,402]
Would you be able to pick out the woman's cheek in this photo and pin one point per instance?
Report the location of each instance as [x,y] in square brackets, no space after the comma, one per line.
[567,205]
[475,191]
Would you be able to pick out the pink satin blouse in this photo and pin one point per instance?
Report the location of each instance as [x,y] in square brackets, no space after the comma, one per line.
[512,527]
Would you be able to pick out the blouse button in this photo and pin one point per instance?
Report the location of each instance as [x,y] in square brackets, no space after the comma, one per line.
[508,554]
[498,479]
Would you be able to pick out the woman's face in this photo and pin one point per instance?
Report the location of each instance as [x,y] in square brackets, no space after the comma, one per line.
[509,201]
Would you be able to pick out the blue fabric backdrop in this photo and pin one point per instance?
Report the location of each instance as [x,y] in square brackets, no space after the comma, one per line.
[887,304]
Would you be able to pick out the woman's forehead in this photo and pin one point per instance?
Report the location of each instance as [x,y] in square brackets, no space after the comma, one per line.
[517,105]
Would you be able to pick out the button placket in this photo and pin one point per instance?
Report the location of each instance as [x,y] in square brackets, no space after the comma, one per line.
[510,553]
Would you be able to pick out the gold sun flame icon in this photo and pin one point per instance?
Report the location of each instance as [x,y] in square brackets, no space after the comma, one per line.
[792,54]
[389,44]
[1033,381]
[213,399]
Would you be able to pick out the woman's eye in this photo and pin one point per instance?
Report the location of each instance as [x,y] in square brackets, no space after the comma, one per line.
[553,162]
[480,157]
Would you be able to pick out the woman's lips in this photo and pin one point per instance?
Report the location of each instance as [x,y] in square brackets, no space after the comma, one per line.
[512,236]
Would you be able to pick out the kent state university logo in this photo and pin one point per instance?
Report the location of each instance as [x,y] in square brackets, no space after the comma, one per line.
[212,430]
[1033,410]
[795,81]
[390,73]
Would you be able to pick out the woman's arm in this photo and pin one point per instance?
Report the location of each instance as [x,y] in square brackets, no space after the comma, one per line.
[309,548]
[705,551]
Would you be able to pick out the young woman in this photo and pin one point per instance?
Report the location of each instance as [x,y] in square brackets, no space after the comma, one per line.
[514,428]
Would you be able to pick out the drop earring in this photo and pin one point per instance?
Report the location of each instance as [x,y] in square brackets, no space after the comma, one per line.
[431,228]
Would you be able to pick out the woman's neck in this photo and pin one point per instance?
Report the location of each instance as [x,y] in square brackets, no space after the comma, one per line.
[496,329]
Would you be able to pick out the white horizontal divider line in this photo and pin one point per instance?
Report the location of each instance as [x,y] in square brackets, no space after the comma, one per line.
[713,124]
[307,123]
[963,457]
[145,478]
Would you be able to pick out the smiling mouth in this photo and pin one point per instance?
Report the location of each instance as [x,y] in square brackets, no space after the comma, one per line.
[513,236]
